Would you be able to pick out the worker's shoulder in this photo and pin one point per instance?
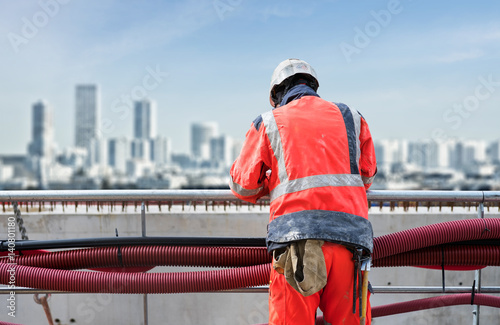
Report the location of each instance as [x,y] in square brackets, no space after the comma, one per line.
[259,119]
[257,122]
[344,107]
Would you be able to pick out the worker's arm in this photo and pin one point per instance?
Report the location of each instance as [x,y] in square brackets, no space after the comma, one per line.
[248,173]
[367,161]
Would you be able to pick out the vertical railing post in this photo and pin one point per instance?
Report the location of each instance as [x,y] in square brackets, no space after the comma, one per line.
[143,219]
[143,229]
[477,274]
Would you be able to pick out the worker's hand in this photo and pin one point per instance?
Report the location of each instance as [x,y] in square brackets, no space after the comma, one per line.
[266,188]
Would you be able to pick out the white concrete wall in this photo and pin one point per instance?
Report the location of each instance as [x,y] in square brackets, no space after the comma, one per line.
[221,308]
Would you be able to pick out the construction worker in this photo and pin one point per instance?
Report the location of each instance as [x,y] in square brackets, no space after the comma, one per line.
[316,160]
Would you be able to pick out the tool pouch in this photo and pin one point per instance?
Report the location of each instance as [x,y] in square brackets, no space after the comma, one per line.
[303,265]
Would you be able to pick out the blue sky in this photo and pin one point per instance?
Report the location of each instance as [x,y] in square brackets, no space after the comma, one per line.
[414,69]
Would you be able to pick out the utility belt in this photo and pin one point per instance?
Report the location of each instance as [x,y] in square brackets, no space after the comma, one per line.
[295,240]
[303,265]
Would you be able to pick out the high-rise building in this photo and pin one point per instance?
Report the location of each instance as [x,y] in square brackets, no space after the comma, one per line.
[140,149]
[201,134]
[118,154]
[87,115]
[428,154]
[474,152]
[97,152]
[493,152]
[221,150]
[160,150]
[457,155]
[145,119]
[42,134]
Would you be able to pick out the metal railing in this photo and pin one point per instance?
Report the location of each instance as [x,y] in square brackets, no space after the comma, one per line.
[226,195]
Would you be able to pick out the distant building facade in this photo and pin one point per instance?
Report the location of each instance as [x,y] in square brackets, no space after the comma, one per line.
[145,119]
[201,134]
[160,150]
[42,135]
[118,154]
[87,117]
[221,150]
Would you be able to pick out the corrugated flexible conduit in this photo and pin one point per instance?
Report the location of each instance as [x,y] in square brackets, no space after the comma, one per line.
[147,256]
[113,282]
[437,234]
[412,239]
[460,255]
[436,302]
[144,256]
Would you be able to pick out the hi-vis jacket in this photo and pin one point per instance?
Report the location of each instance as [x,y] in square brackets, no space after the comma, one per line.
[316,160]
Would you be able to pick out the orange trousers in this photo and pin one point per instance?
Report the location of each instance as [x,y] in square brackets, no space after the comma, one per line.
[289,307]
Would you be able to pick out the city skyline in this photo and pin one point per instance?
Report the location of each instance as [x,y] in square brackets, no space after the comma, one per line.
[88,133]
[146,159]
[202,133]
[212,61]
[206,144]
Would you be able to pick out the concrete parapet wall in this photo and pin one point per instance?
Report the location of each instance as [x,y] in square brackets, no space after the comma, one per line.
[223,308]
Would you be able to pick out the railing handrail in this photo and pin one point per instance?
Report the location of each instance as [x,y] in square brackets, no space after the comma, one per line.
[226,195]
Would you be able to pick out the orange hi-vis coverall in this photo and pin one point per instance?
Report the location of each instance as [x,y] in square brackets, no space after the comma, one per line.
[316,160]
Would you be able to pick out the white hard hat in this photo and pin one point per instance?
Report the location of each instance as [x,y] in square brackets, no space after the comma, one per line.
[291,67]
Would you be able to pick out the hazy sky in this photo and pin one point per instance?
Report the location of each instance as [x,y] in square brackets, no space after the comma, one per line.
[414,69]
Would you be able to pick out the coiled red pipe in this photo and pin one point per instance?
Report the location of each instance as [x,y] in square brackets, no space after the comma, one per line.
[50,279]
[148,256]
[99,282]
[435,302]
[437,234]
[141,256]
[460,255]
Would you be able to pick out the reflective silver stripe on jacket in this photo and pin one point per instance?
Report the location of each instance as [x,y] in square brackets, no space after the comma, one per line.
[287,186]
[357,128]
[274,137]
[315,181]
[368,180]
[243,191]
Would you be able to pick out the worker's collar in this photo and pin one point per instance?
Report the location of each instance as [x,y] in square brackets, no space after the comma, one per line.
[297,92]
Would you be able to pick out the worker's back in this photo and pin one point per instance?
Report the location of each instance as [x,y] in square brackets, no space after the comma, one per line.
[316,164]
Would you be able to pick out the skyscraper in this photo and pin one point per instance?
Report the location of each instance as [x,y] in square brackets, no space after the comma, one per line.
[160,150]
[221,150]
[87,115]
[145,119]
[43,131]
[201,134]
[118,154]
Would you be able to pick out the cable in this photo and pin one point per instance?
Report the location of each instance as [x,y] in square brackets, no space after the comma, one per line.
[130,241]
[113,282]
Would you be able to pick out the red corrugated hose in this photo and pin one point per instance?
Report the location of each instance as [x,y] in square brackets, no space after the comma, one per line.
[437,234]
[460,255]
[436,302]
[112,282]
[414,247]
[138,256]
